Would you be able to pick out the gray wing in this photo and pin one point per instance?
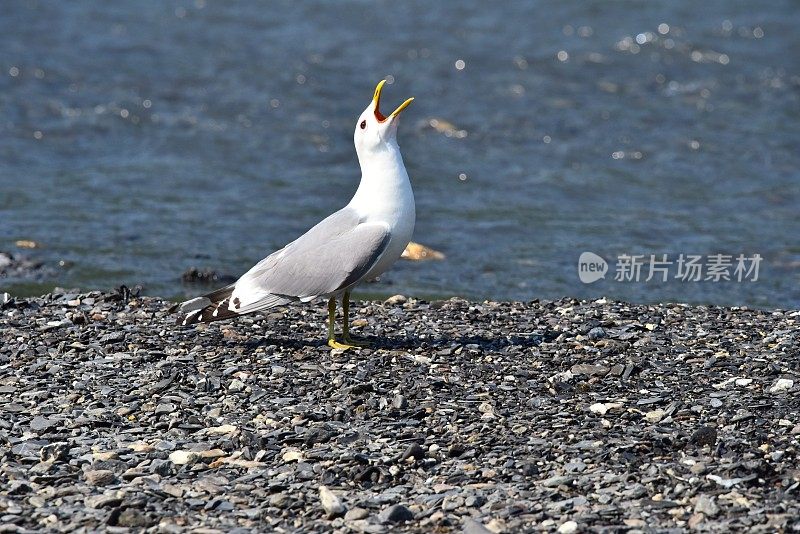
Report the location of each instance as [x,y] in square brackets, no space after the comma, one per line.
[331,256]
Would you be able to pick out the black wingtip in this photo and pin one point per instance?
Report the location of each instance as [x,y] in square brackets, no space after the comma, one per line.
[216,311]
[190,318]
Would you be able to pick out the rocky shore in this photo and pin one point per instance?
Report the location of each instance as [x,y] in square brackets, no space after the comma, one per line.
[565,416]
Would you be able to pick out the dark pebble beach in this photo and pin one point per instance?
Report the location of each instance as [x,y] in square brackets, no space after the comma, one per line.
[557,416]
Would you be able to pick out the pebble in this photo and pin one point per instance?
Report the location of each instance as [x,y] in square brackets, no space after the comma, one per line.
[704,504]
[729,482]
[705,435]
[695,520]
[598,408]
[132,518]
[356,513]
[99,477]
[183,457]
[220,430]
[473,527]
[104,501]
[331,502]
[557,480]
[414,451]
[279,500]
[654,416]
[452,502]
[40,424]
[568,527]
[54,452]
[598,332]
[165,409]
[474,501]
[292,455]
[396,514]
[589,369]
[455,450]
[103,456]
[698,468]
[236,385]
[399,402]
[782,384]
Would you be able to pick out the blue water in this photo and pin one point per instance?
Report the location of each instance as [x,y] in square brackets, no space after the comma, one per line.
[138,139]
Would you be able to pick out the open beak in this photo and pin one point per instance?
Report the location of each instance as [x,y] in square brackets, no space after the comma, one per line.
[376,99]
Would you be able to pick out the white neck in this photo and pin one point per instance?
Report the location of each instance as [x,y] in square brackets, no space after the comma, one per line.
[385,187]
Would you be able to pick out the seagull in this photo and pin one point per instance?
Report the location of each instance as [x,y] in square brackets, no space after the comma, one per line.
[359,242]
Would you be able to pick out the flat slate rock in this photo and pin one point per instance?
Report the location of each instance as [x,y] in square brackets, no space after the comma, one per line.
[568,415]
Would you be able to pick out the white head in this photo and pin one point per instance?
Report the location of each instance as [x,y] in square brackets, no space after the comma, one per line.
[375,131]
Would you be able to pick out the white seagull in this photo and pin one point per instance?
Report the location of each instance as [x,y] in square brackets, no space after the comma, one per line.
[359,242]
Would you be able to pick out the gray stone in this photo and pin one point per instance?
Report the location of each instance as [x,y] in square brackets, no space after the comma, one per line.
[399,402]
[598,332]
[452,502]
[557,480]
[99,477]
[395,300]
[279,500]
[331,502]
[133,518]
[396,514]
[356,513]
[236,385]
[704,435]
[165,409]
[54,452]
[589,369]
[40,424]
[698,468]
[413,451]
[473,527]
[704,504]
[103,501]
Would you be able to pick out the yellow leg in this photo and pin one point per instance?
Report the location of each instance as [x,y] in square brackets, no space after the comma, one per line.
[346,326]
[331,319]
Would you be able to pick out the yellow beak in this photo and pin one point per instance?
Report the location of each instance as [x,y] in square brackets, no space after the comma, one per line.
[376,99]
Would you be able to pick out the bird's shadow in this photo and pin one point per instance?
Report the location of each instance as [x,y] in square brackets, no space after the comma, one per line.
[409,342]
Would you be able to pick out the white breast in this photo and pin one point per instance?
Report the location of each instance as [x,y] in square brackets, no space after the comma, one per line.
[401,223]
[385,195]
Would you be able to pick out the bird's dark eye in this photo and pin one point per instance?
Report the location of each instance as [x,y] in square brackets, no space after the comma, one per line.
[363,124]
